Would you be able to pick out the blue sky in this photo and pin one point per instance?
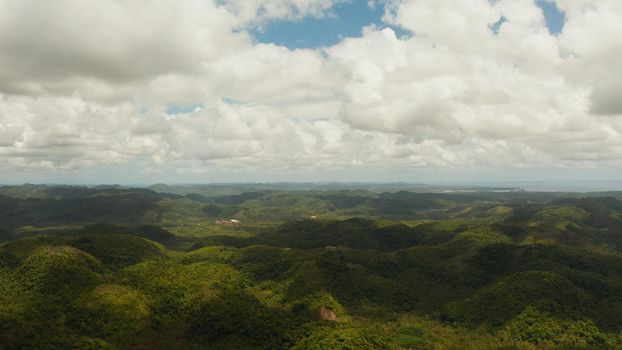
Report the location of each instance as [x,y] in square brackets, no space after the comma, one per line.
[554,17]
[349,19]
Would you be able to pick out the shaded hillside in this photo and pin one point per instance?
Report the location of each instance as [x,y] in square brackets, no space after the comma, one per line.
[67,205]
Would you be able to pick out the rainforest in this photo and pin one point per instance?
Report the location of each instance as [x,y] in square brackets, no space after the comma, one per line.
[309,267]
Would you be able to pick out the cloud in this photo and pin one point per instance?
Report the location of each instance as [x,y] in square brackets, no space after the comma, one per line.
[86,83]
[273,75]
[71,45]
[591,36]
[257,12]
[462,84]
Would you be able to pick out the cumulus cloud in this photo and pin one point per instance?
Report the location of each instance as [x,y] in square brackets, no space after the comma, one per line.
[258,12]
[71,45]
[591,37]
[86,83]
[458,81]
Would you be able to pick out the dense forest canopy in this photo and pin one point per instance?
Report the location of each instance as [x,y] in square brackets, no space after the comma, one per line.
[167,267]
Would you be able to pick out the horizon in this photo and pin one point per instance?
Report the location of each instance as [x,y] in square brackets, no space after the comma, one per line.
[529,186]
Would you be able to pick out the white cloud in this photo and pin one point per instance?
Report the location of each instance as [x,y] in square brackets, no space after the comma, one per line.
[257,12]
[458,82]
[116,41]
[593,37]
[88,82]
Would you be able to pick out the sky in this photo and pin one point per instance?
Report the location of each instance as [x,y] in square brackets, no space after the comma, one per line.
[198,91]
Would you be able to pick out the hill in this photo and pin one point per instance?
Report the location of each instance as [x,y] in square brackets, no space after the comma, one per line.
[482,270]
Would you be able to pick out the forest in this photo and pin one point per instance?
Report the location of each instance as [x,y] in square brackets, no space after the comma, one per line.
[309,267]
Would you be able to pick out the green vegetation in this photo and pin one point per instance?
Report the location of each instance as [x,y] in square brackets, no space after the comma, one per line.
[119,268]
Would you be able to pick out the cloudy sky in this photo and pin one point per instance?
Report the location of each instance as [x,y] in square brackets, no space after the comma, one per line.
[143,91]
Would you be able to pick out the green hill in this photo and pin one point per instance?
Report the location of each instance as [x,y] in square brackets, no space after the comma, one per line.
[413,271]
